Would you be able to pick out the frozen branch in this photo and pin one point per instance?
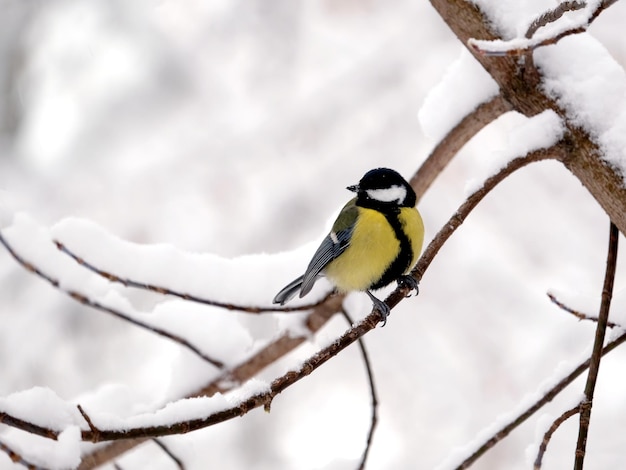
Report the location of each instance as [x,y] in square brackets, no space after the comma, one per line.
[166,291]
[532,40]
[578,314]
[32,428]
[85,300]
[548,435]
[583,157]
[551,16]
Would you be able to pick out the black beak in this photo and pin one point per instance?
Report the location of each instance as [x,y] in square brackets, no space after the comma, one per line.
[354,188]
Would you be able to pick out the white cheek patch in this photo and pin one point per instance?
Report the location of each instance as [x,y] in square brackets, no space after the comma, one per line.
[391,194]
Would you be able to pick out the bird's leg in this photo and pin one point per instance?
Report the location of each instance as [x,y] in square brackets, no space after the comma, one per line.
[410,282]
[382,307]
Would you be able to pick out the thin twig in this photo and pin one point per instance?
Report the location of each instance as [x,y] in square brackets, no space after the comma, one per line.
[529,69]
[548,435]
[192,298]
[604,4]
[546,398]
[373,395]
[551,16]
[83,299]
[578,314]
[87,419]
[18,459]
[27,426]
[596,355]
[170,454]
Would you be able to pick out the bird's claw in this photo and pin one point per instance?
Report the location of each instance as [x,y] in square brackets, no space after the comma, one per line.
[410,282]
[381,306]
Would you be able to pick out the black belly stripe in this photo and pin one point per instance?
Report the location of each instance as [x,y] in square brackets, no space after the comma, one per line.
[405,255]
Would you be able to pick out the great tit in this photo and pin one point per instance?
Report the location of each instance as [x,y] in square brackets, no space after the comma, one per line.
[375,240]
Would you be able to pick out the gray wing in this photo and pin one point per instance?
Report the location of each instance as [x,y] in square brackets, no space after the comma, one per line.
[331,247]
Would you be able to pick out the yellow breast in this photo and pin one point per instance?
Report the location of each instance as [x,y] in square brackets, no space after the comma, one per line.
[373,247]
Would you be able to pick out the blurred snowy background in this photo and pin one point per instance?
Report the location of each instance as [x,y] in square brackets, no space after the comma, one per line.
[233,127]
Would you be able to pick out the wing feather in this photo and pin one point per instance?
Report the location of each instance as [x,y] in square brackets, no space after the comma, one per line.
[331,247]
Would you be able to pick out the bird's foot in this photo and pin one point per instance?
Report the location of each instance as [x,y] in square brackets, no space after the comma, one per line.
[381,306]
[410,282]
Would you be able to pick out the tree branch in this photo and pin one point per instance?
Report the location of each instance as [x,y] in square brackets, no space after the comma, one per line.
[83,299]
[191,298]
[516,47]
[577,314]
[548,435]
[553,15]
[596,356]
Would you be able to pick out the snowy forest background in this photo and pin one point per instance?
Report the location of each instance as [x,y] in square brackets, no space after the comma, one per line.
[233,128]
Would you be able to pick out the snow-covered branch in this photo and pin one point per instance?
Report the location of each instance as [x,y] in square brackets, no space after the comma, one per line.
[595,137]
[97,305]
[553,30]
[126,282]
[550,431]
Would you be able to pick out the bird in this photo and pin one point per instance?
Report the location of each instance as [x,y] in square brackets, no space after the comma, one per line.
[375,240]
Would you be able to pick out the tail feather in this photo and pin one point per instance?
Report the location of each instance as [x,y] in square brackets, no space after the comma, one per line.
[289,291]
